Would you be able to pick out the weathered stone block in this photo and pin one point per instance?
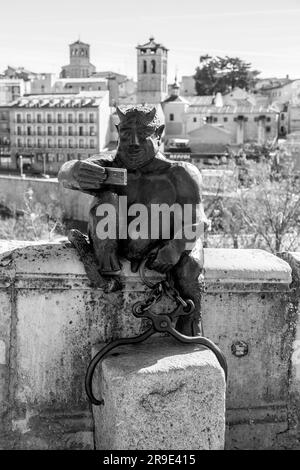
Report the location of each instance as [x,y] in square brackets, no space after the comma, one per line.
[163,395]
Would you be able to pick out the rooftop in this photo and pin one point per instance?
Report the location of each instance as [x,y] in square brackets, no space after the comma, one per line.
[78,100]
[151,44]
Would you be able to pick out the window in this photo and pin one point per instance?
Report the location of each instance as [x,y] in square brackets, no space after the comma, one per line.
[171,117]
[39,130]
[29,130]
[19,143]
[225,119]
[19,118]
[81,130]
[268,129]
[92,131]
[194,119]
[80,117]
[39,143]
[70,118]
[59,130]
[92,144]
[153,66]
[60,157]
[81,143]
[49,143]
[49,130]
[60,143]
[215,119]
[268,119]
[70,130]
[49,118]
[282,117]
[19,131]
[92,118]
[144,66]
[70,143]
[28,142]
[28,117]
[59,118]
[39,118]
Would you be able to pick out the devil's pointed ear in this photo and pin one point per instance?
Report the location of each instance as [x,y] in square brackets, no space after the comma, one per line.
[117,127]
[159,131]
[120,114]
[151,115]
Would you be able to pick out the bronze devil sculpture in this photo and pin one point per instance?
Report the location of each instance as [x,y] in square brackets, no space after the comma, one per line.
[151,180]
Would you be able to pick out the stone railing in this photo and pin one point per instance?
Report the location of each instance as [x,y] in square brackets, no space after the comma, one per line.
[50,318]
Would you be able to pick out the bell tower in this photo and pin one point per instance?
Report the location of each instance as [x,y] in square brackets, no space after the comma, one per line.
[152,61]
[79,66]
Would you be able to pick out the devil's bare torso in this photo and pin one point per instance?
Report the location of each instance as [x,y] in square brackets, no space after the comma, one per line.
[160,182]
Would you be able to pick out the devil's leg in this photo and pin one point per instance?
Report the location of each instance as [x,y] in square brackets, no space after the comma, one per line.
[101,221]
[187,280]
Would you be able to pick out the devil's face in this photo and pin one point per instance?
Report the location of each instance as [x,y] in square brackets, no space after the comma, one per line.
[138,140]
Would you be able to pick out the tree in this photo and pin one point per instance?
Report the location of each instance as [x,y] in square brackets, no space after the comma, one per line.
[35,221]
[265,212]
[222,74]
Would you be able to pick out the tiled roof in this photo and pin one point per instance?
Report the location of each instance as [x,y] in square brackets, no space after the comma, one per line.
[80,43]
[200,100]
[175,98]
[151,44]
[230,109]
[79,100]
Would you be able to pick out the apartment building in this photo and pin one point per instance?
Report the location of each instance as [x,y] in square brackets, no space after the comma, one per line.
[47,130]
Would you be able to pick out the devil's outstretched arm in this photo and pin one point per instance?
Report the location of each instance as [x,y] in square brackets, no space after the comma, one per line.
[81,174]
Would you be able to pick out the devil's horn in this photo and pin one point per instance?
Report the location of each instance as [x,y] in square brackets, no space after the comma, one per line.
[120,113]
[151,114]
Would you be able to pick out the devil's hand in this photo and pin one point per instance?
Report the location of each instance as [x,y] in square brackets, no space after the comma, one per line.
[163,259]
[90,175]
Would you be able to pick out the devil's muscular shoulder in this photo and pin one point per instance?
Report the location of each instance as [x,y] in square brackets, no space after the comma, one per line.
[187,180]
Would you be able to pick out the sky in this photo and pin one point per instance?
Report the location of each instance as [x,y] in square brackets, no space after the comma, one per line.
[35,34]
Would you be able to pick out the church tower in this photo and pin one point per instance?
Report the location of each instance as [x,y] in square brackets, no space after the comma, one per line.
[80,66]
[152,60]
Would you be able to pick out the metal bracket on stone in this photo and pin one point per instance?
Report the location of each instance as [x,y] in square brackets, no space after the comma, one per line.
[161,323]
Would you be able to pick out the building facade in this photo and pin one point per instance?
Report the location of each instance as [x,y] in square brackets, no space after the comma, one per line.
[47,130]
[235,123]
[79,66]
[11,89]
[5,150]
[152,63]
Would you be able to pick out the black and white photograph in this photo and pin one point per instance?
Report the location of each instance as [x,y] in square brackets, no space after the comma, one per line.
[149,228]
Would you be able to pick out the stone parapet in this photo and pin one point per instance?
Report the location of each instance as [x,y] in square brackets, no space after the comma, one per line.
[50,317]
[161,395]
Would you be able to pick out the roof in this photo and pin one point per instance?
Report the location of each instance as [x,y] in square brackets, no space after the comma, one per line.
[80,80]
[79,43]
[230,109]
[151,44]
[78,100]
[179,99]
[218,129]
[200,100]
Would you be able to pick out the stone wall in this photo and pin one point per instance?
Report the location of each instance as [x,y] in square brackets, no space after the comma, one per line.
[76,204]
[50,318]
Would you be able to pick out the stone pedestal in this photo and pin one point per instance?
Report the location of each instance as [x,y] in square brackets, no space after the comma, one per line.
[163,395]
